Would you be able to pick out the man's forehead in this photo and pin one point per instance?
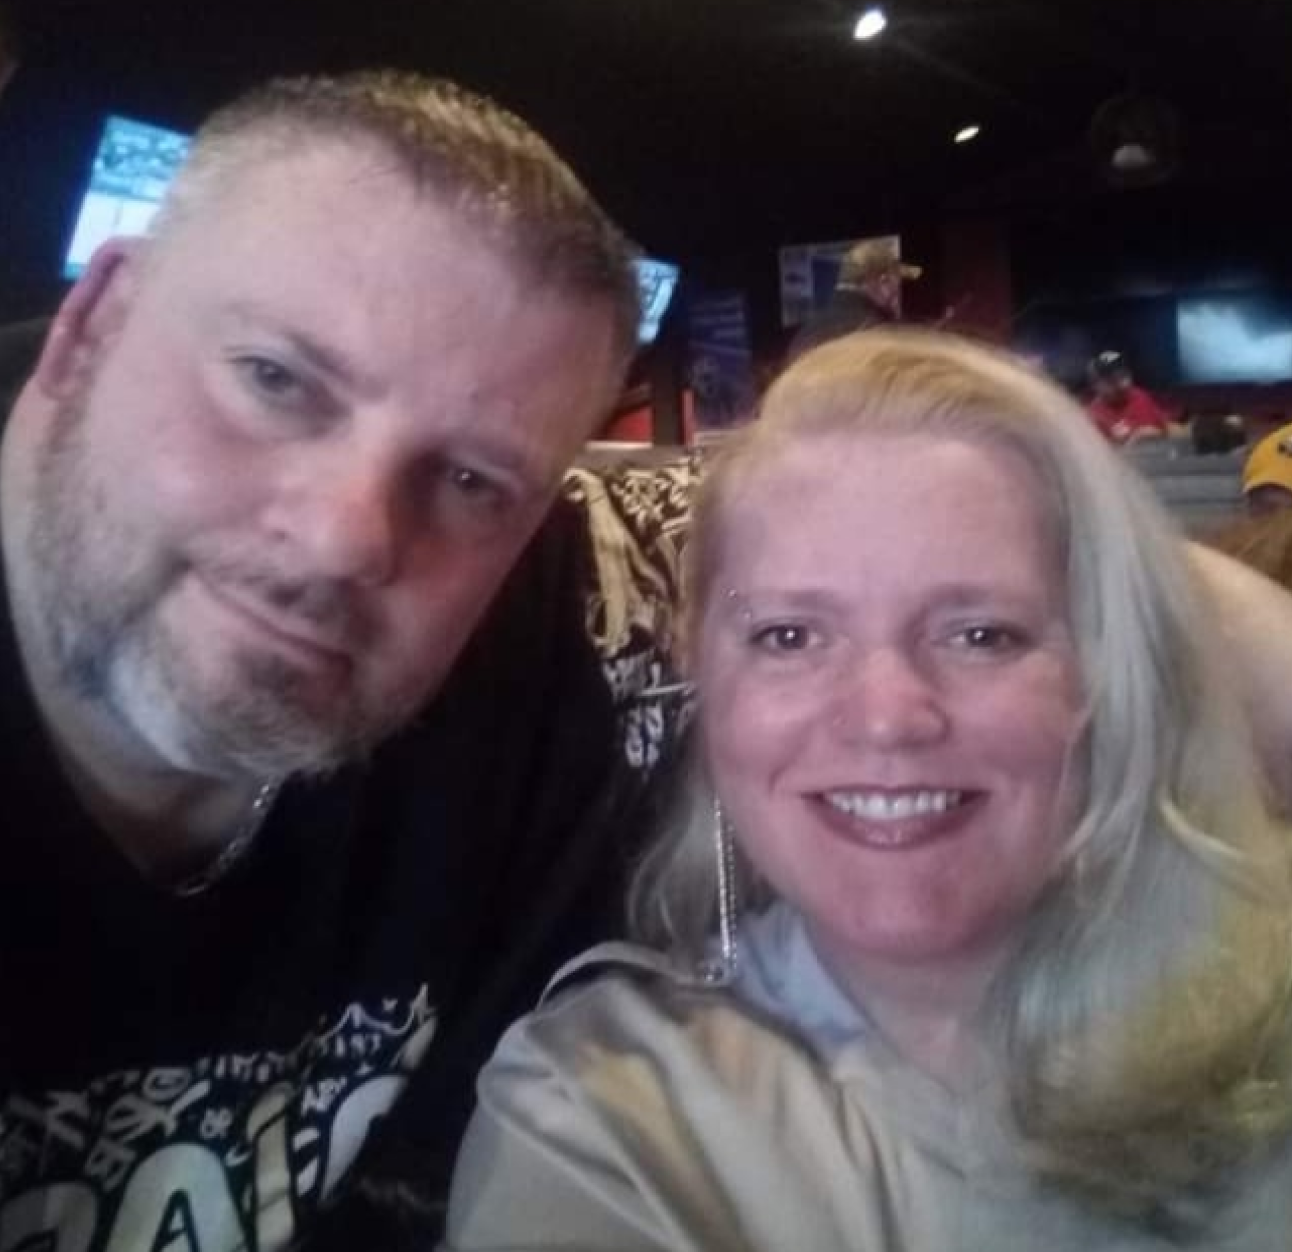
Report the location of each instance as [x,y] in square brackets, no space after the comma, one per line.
[340,248]
[303,179]
[346,215]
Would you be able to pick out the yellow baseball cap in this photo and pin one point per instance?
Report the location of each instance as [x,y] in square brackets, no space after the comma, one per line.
[1269,464]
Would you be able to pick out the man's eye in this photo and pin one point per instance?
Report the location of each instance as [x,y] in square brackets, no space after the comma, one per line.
[782,637]
[468,481]
[475,488]
[270,379]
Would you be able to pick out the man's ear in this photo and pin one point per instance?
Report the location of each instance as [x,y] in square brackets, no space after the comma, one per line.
[90,315]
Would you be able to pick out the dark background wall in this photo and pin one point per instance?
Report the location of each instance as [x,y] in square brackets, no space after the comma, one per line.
[719,130]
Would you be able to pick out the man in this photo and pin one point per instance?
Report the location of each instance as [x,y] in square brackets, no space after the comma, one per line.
[867,292]
[1267,473]
[1123,412]
[306,789]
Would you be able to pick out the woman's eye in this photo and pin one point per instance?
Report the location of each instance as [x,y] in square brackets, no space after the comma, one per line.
[988,637]
[782,637]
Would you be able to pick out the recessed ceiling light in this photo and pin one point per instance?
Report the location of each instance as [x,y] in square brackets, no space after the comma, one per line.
[966,133]
[870,24]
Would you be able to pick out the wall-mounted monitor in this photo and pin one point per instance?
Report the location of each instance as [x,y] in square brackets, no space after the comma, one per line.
[656,282]
[132,166]
[1235,337]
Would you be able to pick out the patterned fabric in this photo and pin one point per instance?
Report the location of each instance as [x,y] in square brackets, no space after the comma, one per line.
[637,519]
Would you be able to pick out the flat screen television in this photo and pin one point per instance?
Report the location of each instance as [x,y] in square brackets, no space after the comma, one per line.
[1235,337]
[132,165]
[656,282]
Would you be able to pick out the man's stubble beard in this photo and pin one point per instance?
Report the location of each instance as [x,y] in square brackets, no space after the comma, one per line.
[98,592]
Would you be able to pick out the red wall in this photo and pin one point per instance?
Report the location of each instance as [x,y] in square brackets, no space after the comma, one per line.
[974,282]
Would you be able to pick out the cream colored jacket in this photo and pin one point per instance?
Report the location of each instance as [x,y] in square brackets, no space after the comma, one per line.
[641,1110]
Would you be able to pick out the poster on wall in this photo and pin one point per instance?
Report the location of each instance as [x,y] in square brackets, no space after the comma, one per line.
[721,361]
[808,272]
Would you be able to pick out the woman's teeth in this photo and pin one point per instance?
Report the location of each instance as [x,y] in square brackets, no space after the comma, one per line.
[890,806]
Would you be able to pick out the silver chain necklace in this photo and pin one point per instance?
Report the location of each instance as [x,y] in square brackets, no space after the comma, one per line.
[236,848]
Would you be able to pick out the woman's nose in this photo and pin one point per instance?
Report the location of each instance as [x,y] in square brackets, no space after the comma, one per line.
[885,700]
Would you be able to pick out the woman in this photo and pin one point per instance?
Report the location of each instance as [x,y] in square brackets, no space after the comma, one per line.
[1013,965]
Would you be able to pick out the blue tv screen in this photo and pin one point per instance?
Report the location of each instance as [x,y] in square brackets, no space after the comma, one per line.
[1236,337]
[656,281]
[132,166]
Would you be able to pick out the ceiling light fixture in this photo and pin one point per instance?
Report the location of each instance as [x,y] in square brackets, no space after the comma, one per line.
[870,24]
[966,133]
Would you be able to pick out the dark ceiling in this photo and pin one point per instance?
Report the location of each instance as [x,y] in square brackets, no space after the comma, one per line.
[698,116]
[708,124]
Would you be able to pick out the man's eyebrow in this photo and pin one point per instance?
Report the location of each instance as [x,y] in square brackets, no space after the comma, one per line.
[311,350]
[528,461]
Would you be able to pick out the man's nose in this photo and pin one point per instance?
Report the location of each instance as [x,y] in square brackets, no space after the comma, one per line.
[886,699]
[342,515]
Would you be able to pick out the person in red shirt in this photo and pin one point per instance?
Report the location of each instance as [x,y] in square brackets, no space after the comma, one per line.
[1123,412]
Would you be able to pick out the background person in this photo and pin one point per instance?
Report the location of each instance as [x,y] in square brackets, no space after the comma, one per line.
[1014,970]
[1267,473]
[867,292]
[311,760]
[1123,411]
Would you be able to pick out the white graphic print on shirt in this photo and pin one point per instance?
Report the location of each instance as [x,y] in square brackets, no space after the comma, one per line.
[220,1155]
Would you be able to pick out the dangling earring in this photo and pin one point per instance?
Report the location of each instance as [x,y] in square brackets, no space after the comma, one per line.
[720,968]
[1082,869]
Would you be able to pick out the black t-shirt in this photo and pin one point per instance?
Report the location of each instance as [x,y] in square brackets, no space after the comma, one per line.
[203,1072]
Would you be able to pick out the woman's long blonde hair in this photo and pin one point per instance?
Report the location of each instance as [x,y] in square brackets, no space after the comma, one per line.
[1144,1019]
